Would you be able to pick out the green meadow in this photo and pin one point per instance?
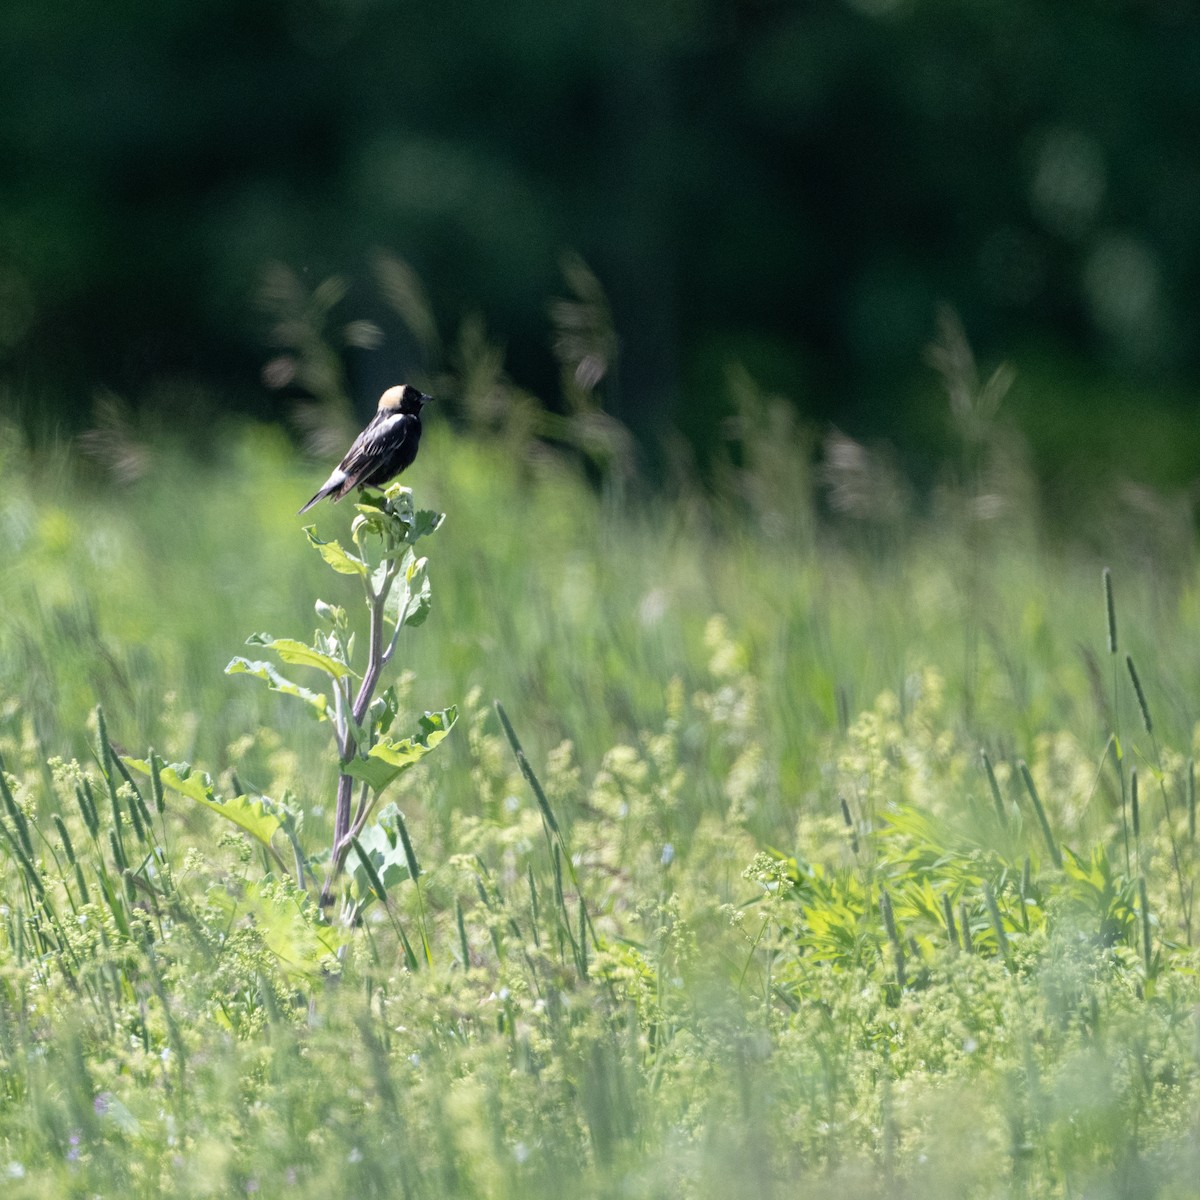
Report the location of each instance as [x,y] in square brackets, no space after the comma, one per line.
[850,847]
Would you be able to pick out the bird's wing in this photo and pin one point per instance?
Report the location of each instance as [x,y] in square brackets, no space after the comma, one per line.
[381,441]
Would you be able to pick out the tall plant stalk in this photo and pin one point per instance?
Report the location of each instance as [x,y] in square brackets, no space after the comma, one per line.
[396,590]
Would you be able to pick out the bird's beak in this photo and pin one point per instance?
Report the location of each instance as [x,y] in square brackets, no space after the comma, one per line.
[425,399]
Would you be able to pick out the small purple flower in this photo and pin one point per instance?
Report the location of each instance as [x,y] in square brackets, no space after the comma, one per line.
[102,1102]
[73,1147]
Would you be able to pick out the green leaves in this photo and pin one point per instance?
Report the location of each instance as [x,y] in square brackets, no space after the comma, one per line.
[395,586]
[382,847]
[385,526]
[279,683]
[292,651]
[387,759]
[179,777]
[384,709]
[340,559]
[425,522]
[413,598]
[253,815]
[326,655]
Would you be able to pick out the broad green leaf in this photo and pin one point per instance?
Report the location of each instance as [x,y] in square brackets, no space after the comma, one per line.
[279,683]
[425,522]
[179,777]
[388,759]
[414,595]
[382,845]
[250,814]
[292,651]
[335,554]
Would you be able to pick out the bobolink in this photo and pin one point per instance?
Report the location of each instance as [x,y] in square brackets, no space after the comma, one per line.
[386,447]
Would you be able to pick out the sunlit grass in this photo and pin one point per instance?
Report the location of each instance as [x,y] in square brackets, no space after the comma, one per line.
[750,725]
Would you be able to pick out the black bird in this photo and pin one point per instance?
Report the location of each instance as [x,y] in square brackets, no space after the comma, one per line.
[386,447]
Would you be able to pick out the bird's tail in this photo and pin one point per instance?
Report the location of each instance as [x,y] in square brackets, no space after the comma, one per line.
[319,496]
[337,485]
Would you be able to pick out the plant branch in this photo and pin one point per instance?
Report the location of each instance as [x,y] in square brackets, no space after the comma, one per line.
[377,602]
[344,829]
[341,702]
[364,810]
[387,654]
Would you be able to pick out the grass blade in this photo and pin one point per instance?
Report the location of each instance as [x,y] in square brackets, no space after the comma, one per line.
[1051,845]
[1141,695]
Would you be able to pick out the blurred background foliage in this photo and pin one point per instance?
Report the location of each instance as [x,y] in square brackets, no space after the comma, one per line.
[788,187]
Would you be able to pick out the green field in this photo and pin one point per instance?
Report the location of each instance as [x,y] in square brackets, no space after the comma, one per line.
[757,922]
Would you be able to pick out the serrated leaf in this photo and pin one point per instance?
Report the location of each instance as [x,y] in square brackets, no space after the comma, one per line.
[253,815]
[297,653]
[425,522]
[388,759]
[335,554]
[279,683]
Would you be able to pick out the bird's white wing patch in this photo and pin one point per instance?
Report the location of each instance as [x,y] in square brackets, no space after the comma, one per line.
[387,427]
[380,435]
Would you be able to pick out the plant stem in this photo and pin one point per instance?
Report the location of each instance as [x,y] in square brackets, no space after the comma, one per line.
[375,650]
[345,830]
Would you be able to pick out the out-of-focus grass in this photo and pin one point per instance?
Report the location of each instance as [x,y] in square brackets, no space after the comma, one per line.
[727,669]
[577,614]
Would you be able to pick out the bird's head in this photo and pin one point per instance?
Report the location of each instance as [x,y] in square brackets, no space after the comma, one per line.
[403,398]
